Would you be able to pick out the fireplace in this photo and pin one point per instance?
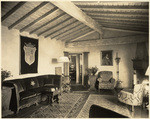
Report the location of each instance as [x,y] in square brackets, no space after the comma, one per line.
[140,63]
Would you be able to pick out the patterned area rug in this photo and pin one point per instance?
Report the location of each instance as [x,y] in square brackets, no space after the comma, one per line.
[68,106]
[108,102]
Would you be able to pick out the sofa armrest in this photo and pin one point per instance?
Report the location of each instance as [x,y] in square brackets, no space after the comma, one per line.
[10,83]
[126,97]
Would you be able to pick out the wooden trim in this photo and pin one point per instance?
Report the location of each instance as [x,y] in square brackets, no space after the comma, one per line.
[67,30]
[78,14]
[31,32]
[27,15]
[38,19]
[61,28]
[15,8]
[54,26]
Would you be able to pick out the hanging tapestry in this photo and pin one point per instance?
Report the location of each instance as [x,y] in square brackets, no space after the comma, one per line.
[29,55]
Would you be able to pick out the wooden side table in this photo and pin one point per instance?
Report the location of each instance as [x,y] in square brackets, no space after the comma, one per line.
[51,96]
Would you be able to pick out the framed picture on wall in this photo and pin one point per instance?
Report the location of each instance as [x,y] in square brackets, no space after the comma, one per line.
[106,58]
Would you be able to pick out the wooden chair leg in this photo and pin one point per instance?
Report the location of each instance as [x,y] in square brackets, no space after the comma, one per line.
[132,108]
[132,111]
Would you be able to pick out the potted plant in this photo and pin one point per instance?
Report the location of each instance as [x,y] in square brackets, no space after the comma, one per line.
[5,74]
[92,70]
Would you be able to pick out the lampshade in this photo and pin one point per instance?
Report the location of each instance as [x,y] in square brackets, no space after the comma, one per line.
[63,59]
[147,71]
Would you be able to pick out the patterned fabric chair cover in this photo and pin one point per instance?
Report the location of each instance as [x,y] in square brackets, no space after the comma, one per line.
[132,97]
[107,80]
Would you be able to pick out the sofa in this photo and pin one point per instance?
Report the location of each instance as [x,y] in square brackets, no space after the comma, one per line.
[29,91]
[106,81]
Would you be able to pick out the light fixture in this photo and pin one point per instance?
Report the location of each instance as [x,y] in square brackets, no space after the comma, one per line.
[63,59]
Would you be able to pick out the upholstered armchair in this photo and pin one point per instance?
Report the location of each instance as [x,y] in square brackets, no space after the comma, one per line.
[132,97]
[106,80]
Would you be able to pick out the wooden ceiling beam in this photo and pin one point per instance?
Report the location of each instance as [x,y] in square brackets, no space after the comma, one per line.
[131,17]
[130,31]
[75,12]
[27,15]
[15,8]
[55,18]
[111,41]
[54,26]
[88,33]
[126,12]
[38,19]
[135,16]
[122,23]
[61,28]
[114,6]
[70,33]
[77,34]
[122,20]
[71,28]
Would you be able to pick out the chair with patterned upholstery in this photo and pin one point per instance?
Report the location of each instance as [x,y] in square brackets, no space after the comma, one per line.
[106,80]
[133,97]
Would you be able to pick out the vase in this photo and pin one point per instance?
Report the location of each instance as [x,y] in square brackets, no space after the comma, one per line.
[92,80]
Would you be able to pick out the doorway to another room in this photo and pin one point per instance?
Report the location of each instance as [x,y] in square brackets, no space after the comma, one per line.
[75,68]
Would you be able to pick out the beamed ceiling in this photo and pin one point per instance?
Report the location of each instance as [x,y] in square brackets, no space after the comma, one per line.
[69,21]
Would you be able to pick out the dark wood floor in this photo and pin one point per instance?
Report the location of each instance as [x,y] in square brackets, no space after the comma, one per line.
[138,113]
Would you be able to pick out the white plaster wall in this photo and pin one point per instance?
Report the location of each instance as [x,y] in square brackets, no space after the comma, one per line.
[10,52]
[125,52]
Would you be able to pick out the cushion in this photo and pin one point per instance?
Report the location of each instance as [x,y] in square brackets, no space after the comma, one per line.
[31,83]
[41,81]
[37,90]
[106,75]
[27,94]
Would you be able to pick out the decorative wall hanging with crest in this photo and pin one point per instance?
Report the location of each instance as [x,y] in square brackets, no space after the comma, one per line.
[29,55]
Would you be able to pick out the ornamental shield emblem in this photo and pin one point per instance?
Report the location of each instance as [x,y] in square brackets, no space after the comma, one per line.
[29,50]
